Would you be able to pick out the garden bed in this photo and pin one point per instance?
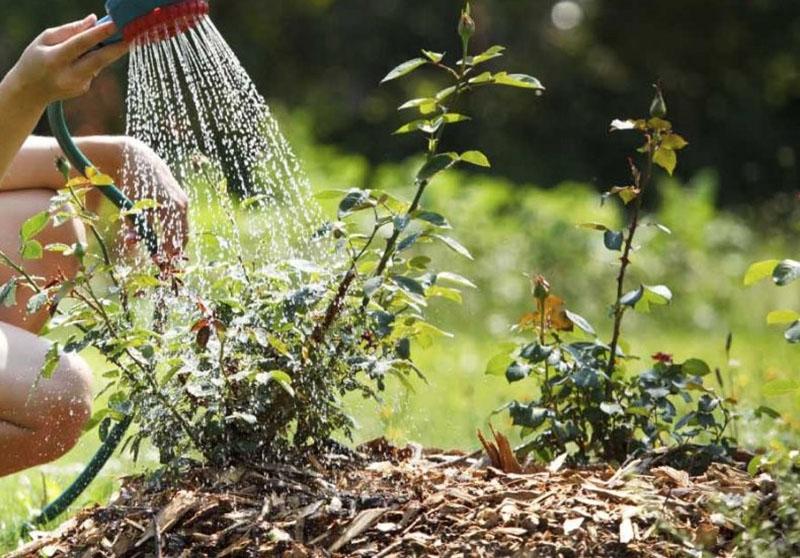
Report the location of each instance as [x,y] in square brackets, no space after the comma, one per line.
[387,501]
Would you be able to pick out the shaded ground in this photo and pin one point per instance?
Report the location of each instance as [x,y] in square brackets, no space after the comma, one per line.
[408,502]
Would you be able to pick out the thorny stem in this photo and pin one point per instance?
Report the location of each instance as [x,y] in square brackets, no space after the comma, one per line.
[546,385]
[336,305]
[619,310]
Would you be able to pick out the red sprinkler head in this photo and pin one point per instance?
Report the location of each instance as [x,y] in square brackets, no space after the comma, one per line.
[165,22]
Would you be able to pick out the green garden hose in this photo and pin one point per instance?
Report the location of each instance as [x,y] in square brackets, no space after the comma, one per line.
[58,125]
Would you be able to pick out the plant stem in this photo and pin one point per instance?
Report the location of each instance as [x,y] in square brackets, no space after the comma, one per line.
[625,261]
[16,267]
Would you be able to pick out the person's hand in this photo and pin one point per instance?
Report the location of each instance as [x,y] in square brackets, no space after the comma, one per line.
[61,63]
[149,177]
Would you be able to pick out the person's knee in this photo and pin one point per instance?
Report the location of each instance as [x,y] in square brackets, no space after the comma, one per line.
[68,406]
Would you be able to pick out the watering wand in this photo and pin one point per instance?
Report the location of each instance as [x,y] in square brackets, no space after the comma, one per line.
[137,20]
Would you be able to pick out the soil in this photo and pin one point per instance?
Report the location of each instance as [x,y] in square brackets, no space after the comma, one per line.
[392,502]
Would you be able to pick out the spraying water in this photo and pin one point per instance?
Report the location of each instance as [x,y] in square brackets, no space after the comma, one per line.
[191,100]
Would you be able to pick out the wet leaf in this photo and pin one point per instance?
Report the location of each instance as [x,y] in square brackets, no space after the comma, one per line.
[404,69]
[792,334]
[581,322]
[759,271]
[489,54]
[613,240]
[8,293]
[435,165]
[786,272]
[518,80]
[33,226]
[434,57]
[454,245]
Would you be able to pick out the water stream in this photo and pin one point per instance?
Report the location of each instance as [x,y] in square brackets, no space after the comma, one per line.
[191,101]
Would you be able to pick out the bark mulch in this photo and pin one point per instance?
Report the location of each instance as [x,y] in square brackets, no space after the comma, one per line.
[409,502]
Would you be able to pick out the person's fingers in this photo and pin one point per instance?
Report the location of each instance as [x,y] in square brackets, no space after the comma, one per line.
[80,44]
[58,35]
[94,62]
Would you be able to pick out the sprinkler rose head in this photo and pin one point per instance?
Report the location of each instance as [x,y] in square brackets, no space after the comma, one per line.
[153,20]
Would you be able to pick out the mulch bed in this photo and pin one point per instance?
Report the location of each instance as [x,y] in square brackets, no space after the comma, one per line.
[391,502]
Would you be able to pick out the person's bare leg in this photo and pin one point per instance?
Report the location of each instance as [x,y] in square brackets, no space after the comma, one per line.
[16,208]
[36,426]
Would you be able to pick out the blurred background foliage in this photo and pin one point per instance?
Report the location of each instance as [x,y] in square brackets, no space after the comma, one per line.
[731,70]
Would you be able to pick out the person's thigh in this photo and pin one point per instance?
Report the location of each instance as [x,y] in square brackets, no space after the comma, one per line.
[16,208]
[40,418]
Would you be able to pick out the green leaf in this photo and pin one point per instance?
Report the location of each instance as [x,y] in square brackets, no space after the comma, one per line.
[419,262]
[792,334]
[454,118]
[51,361]
[489,54]
[372,285]
[435,165]
[409,285]
[434,57]
[485,77]
[33,226]
[632,297]
[452,295]
[454,245]
[425,105]
[355,200]
[32,250]
[475,158]
[518,80]
[8,293]
[456,279]
[760,270]
[786,272]
[408,242]
[404,69]
[410,127]
[445,93]
[37,302]
[666,159]
[782,317]
[516,372]
[280,377]
[432,126]
[581,322]
[695,367]
[594,226]
[658,295]
[431,217]
[674,141]
[613,240]
[499,363]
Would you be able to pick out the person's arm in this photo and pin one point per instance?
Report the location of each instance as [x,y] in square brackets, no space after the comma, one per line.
[59,64]
[34,167]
